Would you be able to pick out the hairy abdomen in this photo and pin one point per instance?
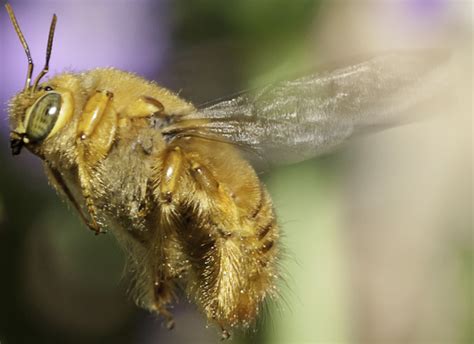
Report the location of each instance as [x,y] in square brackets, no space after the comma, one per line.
[224,219]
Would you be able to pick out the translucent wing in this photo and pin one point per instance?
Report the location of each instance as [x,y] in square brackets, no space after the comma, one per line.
[296,120]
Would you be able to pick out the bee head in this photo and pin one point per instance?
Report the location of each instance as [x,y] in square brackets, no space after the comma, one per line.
[39,111]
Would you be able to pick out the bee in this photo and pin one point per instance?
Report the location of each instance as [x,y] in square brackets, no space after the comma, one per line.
[173,182]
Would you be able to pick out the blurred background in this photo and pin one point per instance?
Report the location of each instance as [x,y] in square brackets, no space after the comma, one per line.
[378,235]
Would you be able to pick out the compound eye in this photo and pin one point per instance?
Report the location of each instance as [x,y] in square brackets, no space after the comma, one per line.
[43,116]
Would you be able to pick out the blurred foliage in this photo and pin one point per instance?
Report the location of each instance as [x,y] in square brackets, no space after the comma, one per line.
[230,46]
[313,306]
[466,257]
[246,20]
[49,287]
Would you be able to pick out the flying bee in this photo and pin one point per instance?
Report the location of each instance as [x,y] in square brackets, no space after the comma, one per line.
[171,180]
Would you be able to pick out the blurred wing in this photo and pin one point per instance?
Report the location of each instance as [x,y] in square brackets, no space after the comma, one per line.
[296,120]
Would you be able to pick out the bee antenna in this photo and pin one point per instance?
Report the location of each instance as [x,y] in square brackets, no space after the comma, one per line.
[49,48]
[23,43]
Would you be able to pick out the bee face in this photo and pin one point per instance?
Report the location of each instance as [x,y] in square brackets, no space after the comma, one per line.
[35,117]
[34,111]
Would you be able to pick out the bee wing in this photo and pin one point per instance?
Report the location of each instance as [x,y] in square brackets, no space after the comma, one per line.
[291,121]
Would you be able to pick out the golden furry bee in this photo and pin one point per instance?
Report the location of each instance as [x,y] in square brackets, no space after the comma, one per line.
[171,181]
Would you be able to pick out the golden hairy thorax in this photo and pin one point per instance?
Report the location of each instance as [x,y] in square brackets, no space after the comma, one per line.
[189,211]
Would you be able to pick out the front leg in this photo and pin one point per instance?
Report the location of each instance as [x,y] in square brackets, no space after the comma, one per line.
[58,182]
[95,134]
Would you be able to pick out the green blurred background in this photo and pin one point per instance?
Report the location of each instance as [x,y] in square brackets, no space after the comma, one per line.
[378,236]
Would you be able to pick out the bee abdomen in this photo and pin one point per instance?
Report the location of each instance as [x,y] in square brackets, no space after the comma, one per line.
[240,269]
[264,218]
[267,246]
[263,231]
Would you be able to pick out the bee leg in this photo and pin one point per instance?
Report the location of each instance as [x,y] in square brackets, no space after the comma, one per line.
[172,170]
[204,177]
[161,310]
[59,184]
[163,296]
[93,114]
[84,179]
[229,259]
[144,106]
[224,334]
[95,132]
